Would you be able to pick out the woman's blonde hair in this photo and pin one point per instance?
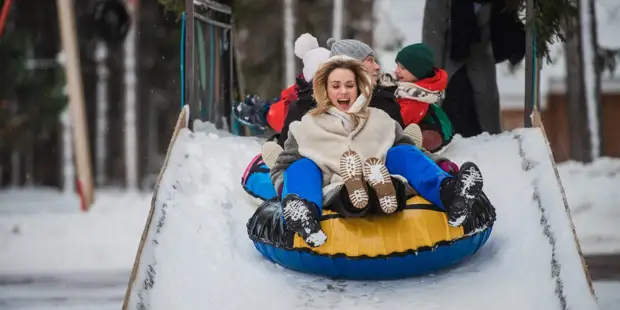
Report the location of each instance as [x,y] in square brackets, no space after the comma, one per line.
[362,81]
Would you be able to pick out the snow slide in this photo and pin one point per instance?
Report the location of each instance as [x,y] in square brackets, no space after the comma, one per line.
[195,253]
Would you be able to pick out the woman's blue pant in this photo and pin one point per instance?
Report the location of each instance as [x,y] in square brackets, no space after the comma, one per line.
[305,179]
[422,173]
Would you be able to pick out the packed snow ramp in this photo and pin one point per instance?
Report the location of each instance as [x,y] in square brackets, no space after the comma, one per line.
[195,252]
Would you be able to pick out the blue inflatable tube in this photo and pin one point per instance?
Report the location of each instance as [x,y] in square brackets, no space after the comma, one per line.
[374,247]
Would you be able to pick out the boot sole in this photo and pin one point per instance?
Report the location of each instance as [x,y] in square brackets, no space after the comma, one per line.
[377,175]
[469,183]
[468,186]
[351,172]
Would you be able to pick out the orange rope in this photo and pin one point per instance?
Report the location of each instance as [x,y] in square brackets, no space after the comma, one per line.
[4,14]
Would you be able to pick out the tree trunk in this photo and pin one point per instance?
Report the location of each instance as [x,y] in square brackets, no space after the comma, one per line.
[597,89]
[289,33]
[577,109]
[260,48]
[101,150]
[131,98]
[359,21]
[531,69]
[315,18]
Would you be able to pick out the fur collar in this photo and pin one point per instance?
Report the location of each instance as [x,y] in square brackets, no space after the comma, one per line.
[345,117]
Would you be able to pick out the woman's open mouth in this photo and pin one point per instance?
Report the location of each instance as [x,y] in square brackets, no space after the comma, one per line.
[344,102]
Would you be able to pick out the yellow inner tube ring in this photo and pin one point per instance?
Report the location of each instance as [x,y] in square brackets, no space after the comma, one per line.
[420,226]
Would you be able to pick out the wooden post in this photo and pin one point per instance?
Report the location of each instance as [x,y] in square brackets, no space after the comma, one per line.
[68,35]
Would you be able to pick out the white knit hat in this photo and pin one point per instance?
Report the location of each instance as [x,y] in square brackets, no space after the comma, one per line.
[308,50]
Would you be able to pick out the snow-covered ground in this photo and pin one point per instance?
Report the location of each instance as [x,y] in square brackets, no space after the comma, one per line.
[593,195]
[99,290]
[513,267]
[43,232]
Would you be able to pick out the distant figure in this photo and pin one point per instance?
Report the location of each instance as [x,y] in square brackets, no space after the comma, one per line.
[468,38]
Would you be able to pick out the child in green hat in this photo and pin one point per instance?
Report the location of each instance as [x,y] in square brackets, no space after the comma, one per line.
[419,87]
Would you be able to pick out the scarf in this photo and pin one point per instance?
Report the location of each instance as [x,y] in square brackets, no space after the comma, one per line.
[413,91]
[346,117]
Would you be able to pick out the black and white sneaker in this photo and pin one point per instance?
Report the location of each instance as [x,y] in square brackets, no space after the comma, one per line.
[467,187]
[302,219]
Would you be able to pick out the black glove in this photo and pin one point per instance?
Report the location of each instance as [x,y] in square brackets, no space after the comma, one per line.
[252,111]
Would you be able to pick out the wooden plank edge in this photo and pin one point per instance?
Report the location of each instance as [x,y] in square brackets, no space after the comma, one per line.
[182,122]
[537,122]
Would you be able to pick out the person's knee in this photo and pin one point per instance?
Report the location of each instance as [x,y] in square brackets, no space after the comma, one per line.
[305,164]
[401,150]
[398,149]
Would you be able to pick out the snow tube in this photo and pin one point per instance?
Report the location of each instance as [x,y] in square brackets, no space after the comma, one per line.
[256,181]
[414,241]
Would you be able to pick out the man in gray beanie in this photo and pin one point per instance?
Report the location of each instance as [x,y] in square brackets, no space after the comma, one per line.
[358,50]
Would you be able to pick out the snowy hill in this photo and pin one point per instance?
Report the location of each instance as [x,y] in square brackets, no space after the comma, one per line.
[197,240]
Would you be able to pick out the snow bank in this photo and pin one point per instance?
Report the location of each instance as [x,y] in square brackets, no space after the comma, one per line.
[592,191]
[43,231]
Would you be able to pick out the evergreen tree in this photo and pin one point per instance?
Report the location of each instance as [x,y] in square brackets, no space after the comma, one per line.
[550,21]
[30,99]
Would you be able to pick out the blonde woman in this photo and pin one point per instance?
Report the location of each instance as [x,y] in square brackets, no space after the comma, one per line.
[343,141]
